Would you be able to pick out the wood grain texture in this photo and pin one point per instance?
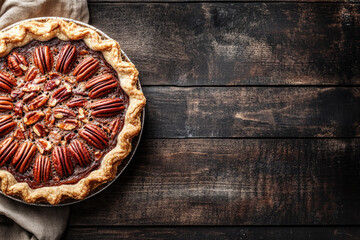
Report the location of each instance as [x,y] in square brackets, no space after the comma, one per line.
[232,182]
[187,112]
[216,233]
[237,44]
[207,1]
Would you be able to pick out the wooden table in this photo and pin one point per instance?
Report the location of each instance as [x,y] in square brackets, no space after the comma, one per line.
[252,125]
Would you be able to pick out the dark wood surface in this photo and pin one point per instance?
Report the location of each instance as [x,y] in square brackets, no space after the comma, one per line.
[252,125]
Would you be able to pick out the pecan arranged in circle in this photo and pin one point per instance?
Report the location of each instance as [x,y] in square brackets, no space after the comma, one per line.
[23,157]
[95,136]
[7,124]
[31,74]
[107,107]
[42,169]
[86,69]
[101,85]
[62,161]
[63,113]
[17,63]
[43,59]
[79,152]
[6,104]
[7,82]
[60,95]
[8,148]
[66,59]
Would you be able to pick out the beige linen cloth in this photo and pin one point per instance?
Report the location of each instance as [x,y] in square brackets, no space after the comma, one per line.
[17,220]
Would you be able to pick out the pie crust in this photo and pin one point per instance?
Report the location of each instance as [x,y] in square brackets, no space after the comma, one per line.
[45,30]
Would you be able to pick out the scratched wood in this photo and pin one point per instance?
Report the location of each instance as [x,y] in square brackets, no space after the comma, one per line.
[233,140]
[237,44]
[216,233]
[178,112]
[232,182]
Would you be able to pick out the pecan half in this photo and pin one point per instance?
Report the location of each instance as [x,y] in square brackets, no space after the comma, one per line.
[51,84]
[17,63]
[38,102]
[77,102]
[43,59]
[42,169]
[43,145]
[115,125]
[6,104]
[79,152]
[8,147]
[101,85]
[23,157]
[86,69]
[62,112]
[7,82]
[60,95]
[62,161]
[33,117]
[66,59]
[40,130]
[95,136]
[107,107]
[31,74]
[7,124]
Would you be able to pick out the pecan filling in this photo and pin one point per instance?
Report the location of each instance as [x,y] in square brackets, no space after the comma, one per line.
[61,108]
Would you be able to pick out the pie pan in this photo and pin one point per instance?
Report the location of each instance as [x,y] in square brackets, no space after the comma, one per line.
[135,141]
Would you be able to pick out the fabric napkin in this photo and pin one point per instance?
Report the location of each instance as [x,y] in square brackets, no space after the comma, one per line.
[16,10]
[17,220]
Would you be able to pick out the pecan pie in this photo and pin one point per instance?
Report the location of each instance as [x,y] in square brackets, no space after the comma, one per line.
[69,107]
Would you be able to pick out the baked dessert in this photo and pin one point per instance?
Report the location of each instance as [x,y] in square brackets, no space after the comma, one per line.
[69,108]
